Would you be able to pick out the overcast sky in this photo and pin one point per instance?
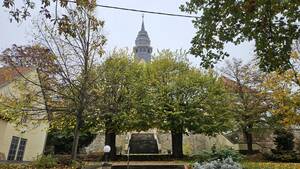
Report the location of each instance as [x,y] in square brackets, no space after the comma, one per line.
[121,28]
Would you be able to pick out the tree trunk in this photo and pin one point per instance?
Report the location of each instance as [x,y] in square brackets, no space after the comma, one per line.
[110,139]
[177,144]
[76,136]
[248,137]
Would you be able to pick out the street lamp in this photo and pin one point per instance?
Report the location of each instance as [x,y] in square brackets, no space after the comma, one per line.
[106,150]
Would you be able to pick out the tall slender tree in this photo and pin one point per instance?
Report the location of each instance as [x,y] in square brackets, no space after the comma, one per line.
[77,45]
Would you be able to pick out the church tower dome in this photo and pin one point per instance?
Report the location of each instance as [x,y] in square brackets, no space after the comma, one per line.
[142,47]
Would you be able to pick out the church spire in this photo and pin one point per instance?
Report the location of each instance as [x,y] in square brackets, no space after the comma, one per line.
[143,26]
[142,47]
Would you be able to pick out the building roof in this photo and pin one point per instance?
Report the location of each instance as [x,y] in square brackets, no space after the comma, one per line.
[233,85]
[8,74]
[228,82]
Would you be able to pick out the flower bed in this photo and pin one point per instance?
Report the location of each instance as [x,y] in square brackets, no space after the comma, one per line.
[228,163]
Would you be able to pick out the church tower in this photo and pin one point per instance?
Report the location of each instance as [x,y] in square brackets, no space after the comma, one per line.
[142,47]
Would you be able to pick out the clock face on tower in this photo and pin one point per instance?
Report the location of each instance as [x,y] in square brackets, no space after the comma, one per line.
[142,48]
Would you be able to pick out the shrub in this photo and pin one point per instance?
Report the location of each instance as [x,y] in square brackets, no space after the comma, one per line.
[284,141]
[226,153]
[204,155]
[221,154]
[64,160]
[76,164]
[45,161]
[60,141]
[283,156]
[227,163]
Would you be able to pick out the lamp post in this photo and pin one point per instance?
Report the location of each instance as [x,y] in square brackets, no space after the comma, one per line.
[106,150]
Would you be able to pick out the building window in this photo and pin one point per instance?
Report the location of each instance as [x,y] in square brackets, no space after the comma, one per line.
[21,149]
[13,148]
[17,147]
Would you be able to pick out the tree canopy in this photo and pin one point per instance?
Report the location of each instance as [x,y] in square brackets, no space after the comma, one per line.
[186,99]
[121,85]
[272,25]
[186,96]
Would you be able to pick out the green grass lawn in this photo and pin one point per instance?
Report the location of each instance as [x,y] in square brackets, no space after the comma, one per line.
[270,165]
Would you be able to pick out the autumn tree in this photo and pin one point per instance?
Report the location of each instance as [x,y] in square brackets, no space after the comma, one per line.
[77,46]
[283,88]
[249,103]
[36,57]
[186,99]
[272,25]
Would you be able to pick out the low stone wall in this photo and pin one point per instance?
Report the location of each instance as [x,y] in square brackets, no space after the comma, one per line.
[195,143]
[97,145]
[264,140]
[165,142]
[192,144]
